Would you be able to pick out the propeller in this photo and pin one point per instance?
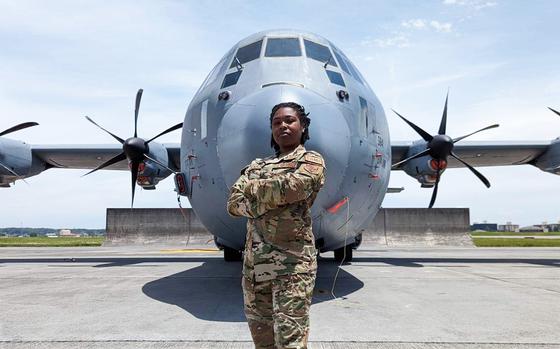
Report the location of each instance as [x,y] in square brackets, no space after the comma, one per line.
[554,111]
[440,147]
[14,129]
[135,149]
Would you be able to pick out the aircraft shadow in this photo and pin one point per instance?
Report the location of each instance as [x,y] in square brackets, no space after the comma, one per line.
[212,291]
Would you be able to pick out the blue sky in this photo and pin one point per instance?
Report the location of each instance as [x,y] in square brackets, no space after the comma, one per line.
[62,60]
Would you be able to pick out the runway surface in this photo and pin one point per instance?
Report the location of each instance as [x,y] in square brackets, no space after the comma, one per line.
[149,297]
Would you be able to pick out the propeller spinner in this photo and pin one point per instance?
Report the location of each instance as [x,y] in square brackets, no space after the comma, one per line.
[14,129]
[135,149]
[440,147]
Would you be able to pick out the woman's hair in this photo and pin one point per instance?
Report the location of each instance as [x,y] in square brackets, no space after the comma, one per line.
[304,120]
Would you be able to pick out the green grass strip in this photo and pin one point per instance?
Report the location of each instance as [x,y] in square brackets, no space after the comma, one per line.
[51,242]
[497,242]
[508,233]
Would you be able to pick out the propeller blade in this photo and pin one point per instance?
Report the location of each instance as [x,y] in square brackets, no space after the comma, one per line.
[473,170]
[137,107]
[173,128]
[434,193]
[13,172]
[470,134]
[114,136]
[425,135]
[422,153]
[18,127]
[109,162]
[554,111]
[159,163]
[443,124]
[134,175]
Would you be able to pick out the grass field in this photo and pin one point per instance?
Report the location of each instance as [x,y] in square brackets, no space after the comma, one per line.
[51,242]
[507,233]
[97,241]
[498,242]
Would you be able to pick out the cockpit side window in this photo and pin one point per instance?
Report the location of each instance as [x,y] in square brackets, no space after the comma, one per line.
[347,66]
[354,72]
[247,53]
[319,52]
[231,79]
[335,78]
[341,62]
[282,47]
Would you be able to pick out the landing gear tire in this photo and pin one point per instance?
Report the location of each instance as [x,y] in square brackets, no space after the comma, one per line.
[343,254]
[232,255]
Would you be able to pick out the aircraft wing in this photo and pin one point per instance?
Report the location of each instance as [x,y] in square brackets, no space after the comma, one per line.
[484,153]
[91,156]
[21,160]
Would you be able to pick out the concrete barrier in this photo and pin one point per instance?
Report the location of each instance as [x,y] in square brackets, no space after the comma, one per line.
[404,227]
[158,226]
[393,227]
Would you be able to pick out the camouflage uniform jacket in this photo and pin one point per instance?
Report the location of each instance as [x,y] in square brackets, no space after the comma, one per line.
[276,195]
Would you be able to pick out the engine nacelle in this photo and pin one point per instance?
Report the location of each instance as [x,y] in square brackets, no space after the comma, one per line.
[424,168]
[17,156]
[550,160]
[151,173]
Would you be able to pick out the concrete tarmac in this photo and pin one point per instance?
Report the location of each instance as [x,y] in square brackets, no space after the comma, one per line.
[149,297]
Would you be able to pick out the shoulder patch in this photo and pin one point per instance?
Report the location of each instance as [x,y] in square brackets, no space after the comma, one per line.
[314,158]
[313,169]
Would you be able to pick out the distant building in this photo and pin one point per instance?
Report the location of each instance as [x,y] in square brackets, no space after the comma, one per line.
[67,233]
[509,227]
[531,228]
[485,226]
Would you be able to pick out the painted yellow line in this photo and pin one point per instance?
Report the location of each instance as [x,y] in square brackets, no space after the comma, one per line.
[191,250]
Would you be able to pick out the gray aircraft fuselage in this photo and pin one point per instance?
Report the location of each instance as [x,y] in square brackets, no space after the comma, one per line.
[227,126]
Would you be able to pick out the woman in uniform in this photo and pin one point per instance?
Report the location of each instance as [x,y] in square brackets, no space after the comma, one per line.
[280,259]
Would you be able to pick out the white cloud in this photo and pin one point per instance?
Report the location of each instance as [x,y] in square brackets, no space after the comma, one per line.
[399,40]
[475,4]
[421,24]
[414,23]
[441,27]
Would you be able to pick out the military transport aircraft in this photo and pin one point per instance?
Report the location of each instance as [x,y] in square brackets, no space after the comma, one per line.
[227,125]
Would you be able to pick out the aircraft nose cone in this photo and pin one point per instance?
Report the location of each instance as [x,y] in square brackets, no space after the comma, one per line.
[244,134]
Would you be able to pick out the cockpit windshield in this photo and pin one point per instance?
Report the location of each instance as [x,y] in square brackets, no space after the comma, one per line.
[247,53]
[319,52]
[282,47]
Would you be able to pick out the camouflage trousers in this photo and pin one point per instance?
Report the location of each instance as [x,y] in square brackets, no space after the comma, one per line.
[278,310]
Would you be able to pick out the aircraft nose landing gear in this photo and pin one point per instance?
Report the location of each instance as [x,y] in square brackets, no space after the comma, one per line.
[232,255]
[344,254]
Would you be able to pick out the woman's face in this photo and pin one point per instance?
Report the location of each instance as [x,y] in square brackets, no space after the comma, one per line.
[286,129]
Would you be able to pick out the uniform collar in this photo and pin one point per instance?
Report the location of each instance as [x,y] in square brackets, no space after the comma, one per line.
[288,156]
[293,154]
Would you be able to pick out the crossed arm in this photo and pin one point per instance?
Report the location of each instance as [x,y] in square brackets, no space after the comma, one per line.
[253,197]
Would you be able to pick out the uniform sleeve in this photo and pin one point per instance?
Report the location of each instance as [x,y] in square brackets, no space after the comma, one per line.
[239,204]
[289,187]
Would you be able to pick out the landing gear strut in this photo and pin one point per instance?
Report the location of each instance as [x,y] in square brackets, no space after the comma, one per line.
[343,254]
[232,255]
